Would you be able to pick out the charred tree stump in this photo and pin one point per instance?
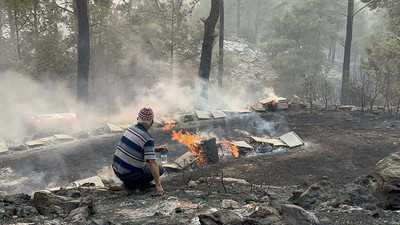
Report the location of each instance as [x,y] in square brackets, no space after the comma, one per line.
[210,150]
[206,52]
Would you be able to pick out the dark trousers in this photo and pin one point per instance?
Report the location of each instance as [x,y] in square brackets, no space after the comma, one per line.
[138,178]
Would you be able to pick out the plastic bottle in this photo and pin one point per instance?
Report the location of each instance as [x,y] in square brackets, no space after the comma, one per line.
[164,157]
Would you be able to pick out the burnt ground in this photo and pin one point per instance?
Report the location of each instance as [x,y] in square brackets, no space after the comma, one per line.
[341,145]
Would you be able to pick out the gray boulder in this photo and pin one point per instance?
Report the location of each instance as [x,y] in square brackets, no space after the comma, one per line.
[386,185]
[220,217]
[295,215]
[49,204]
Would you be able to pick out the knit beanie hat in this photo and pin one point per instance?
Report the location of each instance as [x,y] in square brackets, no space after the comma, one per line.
[146,114]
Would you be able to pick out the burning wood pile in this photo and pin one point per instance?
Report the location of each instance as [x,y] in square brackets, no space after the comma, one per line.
[210,150]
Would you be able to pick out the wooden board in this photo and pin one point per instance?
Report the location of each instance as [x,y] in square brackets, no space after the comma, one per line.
[47,139]
[35,143]
[242,144]
[166,120]
[202,115]
[274,142]
[172,166]
[257,108]
[125,126]
[218,114]
[114,128]
[96,180]
[63,137]
[292,139]
[3,147]
[185,159]
[241,111]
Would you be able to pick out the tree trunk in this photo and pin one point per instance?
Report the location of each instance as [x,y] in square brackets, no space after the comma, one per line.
[35,17]
[172,36]
[256,24]
[333,55]
[344,98]
[12,29]
[221,44]
[206,52]
[238,18]
[83,53]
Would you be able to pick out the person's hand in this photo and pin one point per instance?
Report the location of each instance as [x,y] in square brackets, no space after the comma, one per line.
[160,190]
[162,148]
[165,148]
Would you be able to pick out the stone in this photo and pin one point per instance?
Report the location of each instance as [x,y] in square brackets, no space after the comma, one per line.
[220,217]
[100,222]
[387,181]
[35,143]
[3,147]
[179,210]
[388,170]
[229,204]
[10,210]
[77,215]
[27,211]
[43,200]
[295,215]
[335,203]
[192,184]
[3,194]
[311,196]
[264,211]
[17,199]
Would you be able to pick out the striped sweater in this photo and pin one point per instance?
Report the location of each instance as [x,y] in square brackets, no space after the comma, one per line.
[135,147]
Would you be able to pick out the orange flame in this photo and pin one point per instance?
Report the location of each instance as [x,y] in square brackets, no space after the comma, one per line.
[191,141]
[168,126]
[243,132]
[234,149]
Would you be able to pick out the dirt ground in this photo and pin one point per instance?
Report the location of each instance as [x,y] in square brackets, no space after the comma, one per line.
[340,145]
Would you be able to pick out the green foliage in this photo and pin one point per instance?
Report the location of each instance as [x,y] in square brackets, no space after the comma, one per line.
[382,64]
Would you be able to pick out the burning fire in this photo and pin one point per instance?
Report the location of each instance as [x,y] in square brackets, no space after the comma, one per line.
[234,149]
[168,126]
[191,141]
[243,132]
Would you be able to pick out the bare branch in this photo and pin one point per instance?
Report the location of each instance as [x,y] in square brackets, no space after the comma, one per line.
[365,6]
[65,9]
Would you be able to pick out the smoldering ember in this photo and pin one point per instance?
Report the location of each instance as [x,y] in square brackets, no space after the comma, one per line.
[200,112]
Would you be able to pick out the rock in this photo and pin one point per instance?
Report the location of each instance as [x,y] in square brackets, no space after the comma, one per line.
[295,215]
[27,211]
[10,210]
[17,199]
[309,197]
[264,212]
[335,203]
[3,194]
[277,204]
[81,214]
[78,215]
[100,222]
[47,203]
[179,210]
[192,184]
[388,170]
[229,204]
[387,181]
[220,217]
[393,200]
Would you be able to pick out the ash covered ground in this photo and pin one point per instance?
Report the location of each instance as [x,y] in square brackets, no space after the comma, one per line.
[330,176]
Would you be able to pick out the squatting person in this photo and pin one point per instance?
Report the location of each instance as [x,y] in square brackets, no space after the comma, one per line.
[134,160]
